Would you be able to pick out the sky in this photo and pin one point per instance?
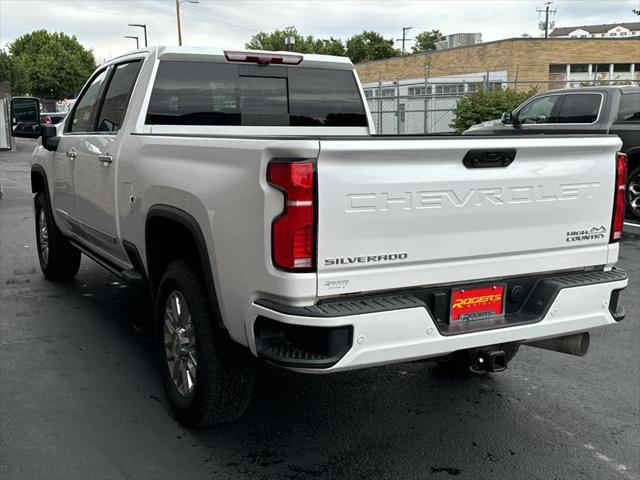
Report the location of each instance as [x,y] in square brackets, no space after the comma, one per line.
[102,24]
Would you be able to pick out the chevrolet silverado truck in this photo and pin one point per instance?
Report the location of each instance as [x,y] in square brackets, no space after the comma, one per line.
[248,194]
[591,110]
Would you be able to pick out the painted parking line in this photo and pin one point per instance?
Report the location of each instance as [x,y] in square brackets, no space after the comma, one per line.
[631,224]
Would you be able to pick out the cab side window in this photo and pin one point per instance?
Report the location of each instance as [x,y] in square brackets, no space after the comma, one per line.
[117,96]
[84,113]
[629,108]
[538,110]
[580,108]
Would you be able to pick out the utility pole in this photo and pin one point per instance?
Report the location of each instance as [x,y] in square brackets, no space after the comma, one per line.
[404,38]
[546,20]
[289,39]
[143,26]
[545,25]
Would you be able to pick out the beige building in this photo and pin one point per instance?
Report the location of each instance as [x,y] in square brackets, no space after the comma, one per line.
[527,61]
[418,93]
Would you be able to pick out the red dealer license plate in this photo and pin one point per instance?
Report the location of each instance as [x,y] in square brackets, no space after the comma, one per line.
[476,303]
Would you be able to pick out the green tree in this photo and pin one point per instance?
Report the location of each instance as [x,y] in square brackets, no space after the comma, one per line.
[329,46]
[370,45]
[6,66]
[49,65]
[277,40]
[426,41]
[364,46]
[484,105]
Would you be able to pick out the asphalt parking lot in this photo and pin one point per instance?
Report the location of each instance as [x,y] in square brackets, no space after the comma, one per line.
[80,398]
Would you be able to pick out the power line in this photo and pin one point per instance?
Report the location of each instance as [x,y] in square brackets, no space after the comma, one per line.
[220,21]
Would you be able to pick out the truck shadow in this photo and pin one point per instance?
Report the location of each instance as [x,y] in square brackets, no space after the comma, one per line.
[364,424]
[358,424]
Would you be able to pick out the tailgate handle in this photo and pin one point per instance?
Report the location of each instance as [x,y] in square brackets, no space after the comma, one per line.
[489,158]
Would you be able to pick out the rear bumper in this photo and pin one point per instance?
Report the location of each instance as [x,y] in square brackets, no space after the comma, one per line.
[366,332]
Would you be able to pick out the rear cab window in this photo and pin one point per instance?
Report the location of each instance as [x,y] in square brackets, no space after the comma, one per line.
[206,93]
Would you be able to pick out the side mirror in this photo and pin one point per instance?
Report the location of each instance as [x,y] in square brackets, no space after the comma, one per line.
[507,118]
[50,138]
[25,117]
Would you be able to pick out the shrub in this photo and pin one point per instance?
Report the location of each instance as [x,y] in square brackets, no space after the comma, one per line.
[481,106]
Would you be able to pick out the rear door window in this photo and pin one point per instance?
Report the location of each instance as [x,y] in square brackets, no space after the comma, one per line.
[580,108]
[629,110]
[200,93]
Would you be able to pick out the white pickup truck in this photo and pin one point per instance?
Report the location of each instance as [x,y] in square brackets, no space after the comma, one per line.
[248,193]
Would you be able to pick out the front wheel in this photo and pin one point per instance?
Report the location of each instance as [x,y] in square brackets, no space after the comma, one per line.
[208,378]
[59,260]
[633,194]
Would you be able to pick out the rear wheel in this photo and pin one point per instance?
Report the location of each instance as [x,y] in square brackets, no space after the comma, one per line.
[461,362]
[208,378]
[59,260]
[633,194]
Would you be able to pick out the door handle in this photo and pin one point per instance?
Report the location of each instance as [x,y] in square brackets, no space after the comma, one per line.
[105,158]
[489,158]
[71,155]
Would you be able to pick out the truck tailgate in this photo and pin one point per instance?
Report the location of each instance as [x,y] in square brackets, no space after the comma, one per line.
[401,212]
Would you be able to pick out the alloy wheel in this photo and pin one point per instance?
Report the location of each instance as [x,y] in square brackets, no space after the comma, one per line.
[180,344]
[633,193]
[43,237]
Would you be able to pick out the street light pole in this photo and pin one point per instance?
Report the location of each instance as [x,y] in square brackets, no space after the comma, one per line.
[178,2]
[136,39]
[178,17]
[143,26]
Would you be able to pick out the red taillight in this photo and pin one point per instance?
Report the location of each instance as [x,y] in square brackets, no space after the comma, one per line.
[263,58]
[293,232]
[619,199]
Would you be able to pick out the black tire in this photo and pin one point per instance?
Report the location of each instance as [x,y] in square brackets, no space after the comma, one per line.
[224,370]
[458,363]
[59,260]
[633,194]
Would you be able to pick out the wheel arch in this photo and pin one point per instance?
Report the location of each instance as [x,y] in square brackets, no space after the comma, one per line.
[633,158]
[39,181]
[184,232]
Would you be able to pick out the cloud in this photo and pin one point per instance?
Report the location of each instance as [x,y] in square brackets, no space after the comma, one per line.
[101,25]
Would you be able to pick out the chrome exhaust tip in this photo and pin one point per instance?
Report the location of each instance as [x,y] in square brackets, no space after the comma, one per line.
[576,344]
